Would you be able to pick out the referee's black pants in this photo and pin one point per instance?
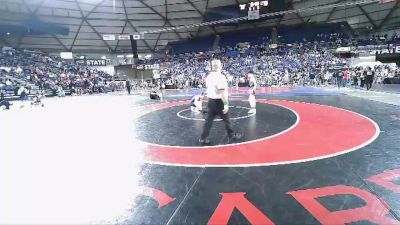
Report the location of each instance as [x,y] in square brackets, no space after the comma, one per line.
[215,108]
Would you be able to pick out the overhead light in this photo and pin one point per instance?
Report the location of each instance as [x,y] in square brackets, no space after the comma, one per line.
[103,57]
[82,57]
[120,56]
[129,56]
[8,33]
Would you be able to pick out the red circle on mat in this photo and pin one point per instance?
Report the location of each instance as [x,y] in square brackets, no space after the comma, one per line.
[321,132]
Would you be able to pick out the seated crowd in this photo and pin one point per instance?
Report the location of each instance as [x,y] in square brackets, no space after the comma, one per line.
[306,62]
[36,72]
[302,63]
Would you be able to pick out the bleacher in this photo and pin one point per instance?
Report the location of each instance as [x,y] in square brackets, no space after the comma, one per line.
[254,37]
[286,34]
[202,44]
[40,71]
[311,32]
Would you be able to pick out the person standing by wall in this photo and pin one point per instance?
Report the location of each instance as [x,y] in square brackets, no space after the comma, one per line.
[339,78]
[128,86]
[363,77]
[3,102]
[346,78]
[369,78]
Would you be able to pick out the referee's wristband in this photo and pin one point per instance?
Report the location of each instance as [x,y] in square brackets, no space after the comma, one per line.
[226,103]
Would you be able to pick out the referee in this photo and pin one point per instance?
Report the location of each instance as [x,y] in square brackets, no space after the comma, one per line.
[218,105]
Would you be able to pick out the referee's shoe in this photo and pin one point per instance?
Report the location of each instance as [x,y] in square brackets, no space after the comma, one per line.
[205,141]
[235,136]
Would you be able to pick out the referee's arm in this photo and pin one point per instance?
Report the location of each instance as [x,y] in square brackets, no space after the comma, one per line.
[222,89]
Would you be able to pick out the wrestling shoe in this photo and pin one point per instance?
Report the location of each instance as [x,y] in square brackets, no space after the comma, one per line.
[252,111]
[235,136]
